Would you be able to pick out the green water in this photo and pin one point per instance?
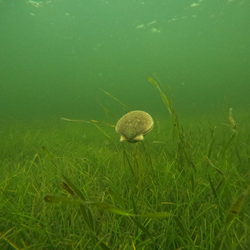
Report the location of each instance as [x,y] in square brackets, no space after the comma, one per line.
[56,56]
[184,186]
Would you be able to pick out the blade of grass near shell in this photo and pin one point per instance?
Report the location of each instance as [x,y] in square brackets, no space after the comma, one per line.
[86,213]
[112,209]
[175,120]
[70,201]
[102,205]
[163,96]
[67,188]
[106,111]
[115,210]
[142,228]
[166,102]
[71,120]
[153,82]
[104,123]
[91,122]
[101,130]
[74,188]
[125,107]
[126,157]
[61,200]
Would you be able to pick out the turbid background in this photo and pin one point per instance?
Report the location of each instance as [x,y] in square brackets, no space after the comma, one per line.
[57,55]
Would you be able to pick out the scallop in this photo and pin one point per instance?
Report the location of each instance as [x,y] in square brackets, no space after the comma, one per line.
[134,125]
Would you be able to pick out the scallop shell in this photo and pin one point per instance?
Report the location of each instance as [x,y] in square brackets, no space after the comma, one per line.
[134,125]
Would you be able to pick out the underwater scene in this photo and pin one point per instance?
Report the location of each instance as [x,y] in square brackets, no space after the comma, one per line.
[125,124]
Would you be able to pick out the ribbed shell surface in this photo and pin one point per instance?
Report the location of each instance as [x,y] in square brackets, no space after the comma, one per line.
[134,123]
